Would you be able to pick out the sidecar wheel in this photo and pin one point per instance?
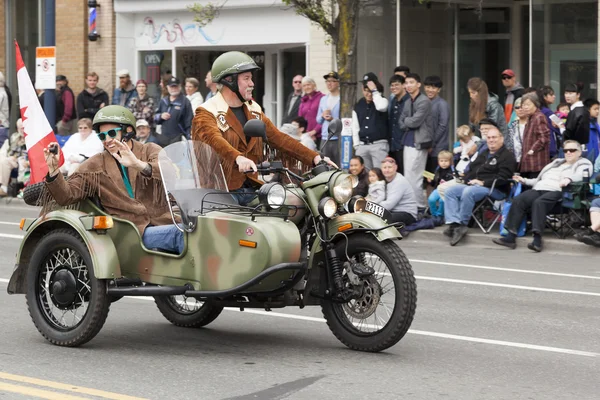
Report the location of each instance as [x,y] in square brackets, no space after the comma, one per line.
[186,311]
[383,313]
[67,304]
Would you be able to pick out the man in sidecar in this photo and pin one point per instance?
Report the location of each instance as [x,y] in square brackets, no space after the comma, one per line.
[220,121]
[125,177]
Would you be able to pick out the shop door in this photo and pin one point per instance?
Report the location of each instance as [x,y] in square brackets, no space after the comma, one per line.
[483,51]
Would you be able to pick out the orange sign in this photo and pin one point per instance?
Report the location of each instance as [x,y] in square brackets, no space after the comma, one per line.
[45,52]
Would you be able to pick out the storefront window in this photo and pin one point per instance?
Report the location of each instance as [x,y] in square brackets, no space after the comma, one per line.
[377,42]
[565,45]
[153,65]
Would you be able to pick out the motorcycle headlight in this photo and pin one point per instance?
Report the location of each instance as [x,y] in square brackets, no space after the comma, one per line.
[327,207]
[357,204]
[342,188]
[272,195]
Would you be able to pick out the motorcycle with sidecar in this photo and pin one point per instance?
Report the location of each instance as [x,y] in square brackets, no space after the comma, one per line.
[307,242]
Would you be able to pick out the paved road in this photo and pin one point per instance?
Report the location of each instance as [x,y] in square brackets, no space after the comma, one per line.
[490,324]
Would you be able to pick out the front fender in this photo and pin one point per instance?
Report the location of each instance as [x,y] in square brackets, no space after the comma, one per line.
[101,247]
[358,220]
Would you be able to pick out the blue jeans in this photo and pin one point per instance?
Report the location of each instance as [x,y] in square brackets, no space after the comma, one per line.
[461,199]
[595,206]
[243,196]
[163,237]
[436,204]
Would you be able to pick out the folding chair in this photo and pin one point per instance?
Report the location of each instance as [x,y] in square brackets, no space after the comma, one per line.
[572,213]
[487,212]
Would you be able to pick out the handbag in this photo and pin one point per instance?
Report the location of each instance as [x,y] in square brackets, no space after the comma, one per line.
[514,192]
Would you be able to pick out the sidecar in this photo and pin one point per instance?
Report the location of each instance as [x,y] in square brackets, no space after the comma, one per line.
[74,261]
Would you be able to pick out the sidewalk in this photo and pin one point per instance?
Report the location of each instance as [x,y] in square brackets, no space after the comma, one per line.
[475,237]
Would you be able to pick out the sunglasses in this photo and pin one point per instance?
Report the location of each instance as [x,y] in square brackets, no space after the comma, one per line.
[518,108]
[571,150]
[505,77]
[112,133]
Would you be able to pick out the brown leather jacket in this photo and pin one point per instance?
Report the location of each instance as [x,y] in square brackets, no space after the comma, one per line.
[216,125]
[100,175]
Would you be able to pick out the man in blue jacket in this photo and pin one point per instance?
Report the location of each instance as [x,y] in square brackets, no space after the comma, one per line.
[126,90]
[174,115]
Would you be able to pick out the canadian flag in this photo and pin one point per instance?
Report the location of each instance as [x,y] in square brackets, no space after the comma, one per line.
[38,132]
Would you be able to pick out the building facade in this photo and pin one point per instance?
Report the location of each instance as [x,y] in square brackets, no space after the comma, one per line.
[544,41]
[76,55]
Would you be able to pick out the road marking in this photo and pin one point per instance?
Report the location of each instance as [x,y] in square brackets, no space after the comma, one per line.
[419,332]
[503,285]
[41,394]
[412,331]
[479,283]
[9,223]
[524,271]
[65,387]
[9,236]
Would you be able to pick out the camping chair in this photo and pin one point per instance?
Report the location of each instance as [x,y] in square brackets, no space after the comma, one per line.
[487,212]
[572,213]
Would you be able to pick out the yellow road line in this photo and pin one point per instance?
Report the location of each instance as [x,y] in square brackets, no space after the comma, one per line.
[41,394]
[69,388]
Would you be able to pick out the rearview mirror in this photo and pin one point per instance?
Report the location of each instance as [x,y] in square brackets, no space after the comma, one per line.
[334,128]
[255,128]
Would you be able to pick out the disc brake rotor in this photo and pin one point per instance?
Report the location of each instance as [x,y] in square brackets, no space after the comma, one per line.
[364,306]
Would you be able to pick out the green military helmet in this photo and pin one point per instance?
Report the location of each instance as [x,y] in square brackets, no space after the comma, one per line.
[231,63]
[115,115]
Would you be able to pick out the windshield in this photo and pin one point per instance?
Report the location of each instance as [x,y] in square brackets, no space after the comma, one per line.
[191,165]
[192,176]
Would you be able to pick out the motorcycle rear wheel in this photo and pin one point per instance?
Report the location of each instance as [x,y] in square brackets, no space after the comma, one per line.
[186,311]
[357,323]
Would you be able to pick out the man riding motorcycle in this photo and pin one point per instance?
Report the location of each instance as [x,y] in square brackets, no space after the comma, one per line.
[220,121]
[125,177]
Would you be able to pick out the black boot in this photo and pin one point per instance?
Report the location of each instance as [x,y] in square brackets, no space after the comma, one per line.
[536,245]
[508,241]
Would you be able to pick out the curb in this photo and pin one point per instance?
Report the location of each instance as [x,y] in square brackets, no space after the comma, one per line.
[11,200]
[475,237]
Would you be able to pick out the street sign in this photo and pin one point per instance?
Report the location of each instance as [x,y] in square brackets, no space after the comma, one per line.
[45,67]
[346,143]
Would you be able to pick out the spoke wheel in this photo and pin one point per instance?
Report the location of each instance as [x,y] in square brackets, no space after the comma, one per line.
[187,311]
[384,304]
[67,304]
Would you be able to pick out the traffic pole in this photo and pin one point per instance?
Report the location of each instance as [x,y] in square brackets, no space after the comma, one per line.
[50,40]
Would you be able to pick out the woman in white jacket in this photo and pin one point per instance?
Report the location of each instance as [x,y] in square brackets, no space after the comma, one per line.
[193,95]
[546,192]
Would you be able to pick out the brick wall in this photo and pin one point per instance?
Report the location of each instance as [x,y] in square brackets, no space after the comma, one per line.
[71,41]
[101,53]
[320,56]
[2,38]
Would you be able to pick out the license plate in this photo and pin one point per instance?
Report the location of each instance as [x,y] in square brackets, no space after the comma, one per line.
[374,209]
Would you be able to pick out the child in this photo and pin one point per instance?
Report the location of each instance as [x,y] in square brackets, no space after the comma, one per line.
[562,111]
[466,143]
[376,186]
[593,106]
[443,173]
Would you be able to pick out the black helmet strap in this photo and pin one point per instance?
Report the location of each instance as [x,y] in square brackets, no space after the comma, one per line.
[233,86]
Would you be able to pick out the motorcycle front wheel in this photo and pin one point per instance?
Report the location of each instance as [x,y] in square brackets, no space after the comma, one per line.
[383,311]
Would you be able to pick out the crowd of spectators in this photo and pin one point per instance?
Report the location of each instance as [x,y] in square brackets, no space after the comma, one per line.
[403,155]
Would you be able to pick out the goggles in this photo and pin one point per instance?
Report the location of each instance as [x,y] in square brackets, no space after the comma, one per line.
[112,133]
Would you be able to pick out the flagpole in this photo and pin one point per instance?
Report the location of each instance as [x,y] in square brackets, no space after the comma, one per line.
[50,40]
